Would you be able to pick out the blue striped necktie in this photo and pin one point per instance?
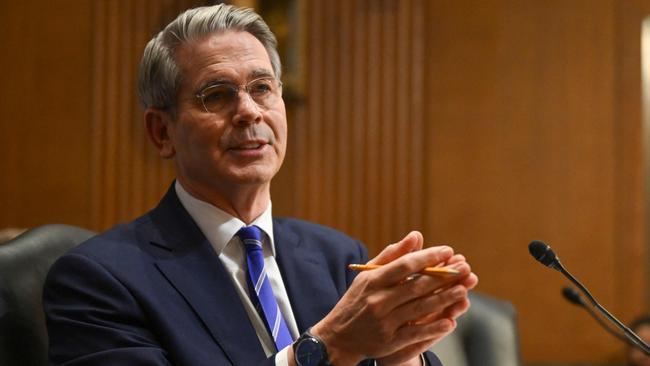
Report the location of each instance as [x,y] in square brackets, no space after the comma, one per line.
[260,289]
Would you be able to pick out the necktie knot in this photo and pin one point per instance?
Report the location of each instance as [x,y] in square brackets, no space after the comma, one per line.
[251,236]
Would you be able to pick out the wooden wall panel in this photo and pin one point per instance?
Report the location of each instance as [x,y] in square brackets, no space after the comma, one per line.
[523,147]
[45,104]
[485,124]
[71,136]
[357,152]
[632,176]
[128,176]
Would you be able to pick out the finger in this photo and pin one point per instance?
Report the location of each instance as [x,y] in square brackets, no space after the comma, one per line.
[412,241]
[439,304]
[407,338]
[416,298]
[463,268]
[457,309]
[382,301]
[422,286]
[411,263]
[470,281]
[456,258]
[465,275]
[453,311]
[407,353]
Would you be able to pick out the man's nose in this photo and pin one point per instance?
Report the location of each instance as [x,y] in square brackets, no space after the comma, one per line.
[247,110]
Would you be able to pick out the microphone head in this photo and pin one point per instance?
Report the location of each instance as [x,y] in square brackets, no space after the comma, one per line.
[572,295]
[543,253]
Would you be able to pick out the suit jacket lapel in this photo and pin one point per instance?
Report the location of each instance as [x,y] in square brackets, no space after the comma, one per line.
[301,268]
[196,272]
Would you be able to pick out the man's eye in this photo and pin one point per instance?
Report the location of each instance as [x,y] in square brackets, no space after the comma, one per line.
[260,88]
[218,94]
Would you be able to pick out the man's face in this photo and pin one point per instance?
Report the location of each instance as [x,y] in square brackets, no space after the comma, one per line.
[242,145]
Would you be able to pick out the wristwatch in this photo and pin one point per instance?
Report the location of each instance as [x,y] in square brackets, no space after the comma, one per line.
[310,350]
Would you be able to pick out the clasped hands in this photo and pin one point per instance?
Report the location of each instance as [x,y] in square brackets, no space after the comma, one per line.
[391,316]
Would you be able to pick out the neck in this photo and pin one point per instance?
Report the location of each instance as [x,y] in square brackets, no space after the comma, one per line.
[246,202]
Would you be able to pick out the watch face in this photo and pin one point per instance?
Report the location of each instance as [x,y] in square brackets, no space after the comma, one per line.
[309,352]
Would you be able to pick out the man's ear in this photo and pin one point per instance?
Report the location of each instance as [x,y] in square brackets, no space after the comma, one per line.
[158,124]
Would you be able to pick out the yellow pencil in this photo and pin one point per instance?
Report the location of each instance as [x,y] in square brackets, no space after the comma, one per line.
[431,271]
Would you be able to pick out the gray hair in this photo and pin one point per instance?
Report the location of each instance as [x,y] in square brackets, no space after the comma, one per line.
[160,77]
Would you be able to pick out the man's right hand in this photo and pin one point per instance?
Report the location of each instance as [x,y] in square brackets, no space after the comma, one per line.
[387,315]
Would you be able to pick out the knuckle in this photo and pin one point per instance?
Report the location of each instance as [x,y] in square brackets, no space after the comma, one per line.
[365,280]
[460,258]
[402,266]
[408,267]
[374,306]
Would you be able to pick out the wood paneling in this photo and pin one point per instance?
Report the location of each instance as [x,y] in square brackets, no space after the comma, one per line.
[357,149]
[484,124]
[128,177]
[632,176]
[523,146]
[45,104]
[71,136]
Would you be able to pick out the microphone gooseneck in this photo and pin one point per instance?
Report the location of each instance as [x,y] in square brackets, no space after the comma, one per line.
[544,254]
[573,296]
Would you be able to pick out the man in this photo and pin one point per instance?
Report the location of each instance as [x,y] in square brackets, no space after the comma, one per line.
[209,277]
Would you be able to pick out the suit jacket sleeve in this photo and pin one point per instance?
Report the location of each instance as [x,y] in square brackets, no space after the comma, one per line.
[94,319]
[431,359]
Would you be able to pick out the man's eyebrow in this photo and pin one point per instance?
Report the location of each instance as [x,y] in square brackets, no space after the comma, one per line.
[255,74]
[261,73]
[214,81]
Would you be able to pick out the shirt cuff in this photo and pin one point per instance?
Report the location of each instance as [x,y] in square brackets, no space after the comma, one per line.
[282,357]
[422,359]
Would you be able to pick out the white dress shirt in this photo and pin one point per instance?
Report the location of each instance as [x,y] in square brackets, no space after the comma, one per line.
[220,228]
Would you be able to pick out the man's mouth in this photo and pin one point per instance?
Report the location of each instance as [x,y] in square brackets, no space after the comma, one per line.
[249,147]
[255,145]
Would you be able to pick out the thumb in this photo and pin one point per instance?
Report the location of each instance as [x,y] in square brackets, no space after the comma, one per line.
[412,242]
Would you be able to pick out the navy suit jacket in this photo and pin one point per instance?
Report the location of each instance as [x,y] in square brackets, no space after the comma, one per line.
[154,292]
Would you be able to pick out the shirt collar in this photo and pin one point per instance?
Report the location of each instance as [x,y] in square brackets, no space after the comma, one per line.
[218,226]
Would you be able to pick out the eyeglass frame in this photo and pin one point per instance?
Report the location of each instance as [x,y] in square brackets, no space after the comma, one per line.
[238,87]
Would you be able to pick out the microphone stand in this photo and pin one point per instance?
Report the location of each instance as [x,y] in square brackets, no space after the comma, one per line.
[574,297]
[628,333]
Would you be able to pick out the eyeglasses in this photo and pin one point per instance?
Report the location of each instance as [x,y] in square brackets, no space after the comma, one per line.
[221,97]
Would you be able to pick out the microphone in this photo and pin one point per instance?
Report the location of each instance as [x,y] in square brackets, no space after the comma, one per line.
[545,255]
[573,296]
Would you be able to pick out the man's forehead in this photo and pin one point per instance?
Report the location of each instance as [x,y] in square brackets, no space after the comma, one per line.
[224,47]
[228,52]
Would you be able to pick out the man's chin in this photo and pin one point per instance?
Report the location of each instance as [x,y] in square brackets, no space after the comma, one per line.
[251,176]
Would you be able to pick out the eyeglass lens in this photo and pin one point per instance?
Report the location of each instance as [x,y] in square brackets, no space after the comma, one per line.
[222,96]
